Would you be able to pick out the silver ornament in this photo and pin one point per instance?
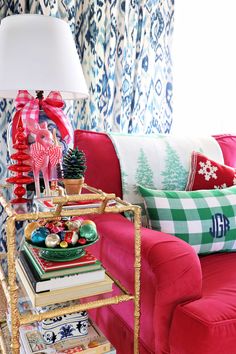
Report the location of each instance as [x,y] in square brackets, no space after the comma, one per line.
[52,240]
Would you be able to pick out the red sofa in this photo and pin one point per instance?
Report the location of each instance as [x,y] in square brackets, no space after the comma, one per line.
[188,303]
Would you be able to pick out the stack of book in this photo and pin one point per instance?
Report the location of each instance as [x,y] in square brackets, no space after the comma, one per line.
[94,342]
[45,281]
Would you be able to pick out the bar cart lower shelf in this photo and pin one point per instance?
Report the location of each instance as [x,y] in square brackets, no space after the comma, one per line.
[9,283]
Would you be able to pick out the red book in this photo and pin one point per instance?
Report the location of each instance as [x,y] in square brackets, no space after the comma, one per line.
[48,266]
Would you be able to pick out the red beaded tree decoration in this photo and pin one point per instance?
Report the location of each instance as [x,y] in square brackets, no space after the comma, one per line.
[20,167]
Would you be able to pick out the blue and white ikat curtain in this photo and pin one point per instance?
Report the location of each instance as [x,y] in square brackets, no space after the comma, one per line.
[125,50]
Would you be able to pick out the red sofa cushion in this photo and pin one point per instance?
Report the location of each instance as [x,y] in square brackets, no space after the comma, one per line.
[103,168]
[194,322]
[228,146]
[208,325]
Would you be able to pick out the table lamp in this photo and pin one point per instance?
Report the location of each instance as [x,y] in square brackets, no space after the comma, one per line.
[38,57]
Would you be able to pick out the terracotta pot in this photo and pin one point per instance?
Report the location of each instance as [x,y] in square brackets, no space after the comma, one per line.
[73,186]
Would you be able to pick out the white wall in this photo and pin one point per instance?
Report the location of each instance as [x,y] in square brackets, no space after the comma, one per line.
[204,59]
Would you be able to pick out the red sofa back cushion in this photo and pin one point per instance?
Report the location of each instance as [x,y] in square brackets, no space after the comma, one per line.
[103,168]
[228,146]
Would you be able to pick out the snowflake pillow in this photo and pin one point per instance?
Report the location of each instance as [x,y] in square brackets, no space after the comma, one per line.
[207,174]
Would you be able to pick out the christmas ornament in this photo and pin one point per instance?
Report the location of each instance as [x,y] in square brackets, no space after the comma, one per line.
[73,225]
[30,228]
[90,222]
[88,231]
[63,244]
[55,227]
[21,166]
[71,237]
[82,241]
[52,240]
[39,235]
[42,222]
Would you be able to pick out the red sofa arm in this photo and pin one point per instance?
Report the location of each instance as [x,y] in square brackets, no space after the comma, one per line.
[170,273]
[179,279]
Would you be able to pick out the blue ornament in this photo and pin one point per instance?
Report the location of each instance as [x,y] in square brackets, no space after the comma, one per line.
[38,236]
[62,234]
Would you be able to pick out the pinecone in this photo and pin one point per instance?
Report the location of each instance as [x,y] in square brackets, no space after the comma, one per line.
[74,164]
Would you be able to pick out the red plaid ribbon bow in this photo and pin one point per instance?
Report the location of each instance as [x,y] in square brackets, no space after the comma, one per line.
[28,108]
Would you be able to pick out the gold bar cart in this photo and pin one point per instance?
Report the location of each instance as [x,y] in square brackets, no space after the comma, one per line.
[9,283]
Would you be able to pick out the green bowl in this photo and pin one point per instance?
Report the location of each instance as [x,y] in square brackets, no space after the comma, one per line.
[62,254]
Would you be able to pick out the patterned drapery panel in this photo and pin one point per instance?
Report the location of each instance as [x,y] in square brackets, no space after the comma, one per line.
[125,46]
[125,50]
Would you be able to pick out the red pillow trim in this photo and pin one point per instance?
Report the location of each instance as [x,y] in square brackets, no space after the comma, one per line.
[208,174]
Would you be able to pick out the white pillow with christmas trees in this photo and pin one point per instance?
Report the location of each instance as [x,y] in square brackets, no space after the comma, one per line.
[158,161]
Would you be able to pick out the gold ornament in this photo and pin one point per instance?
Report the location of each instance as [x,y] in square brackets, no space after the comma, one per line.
[63,244]
[30,228]
[73,225]
[90,222]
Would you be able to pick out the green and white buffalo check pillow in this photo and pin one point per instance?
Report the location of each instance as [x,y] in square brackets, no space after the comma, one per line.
[206,219]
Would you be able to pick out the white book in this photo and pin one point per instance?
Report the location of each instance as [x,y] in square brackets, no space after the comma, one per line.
[71,280]
[61,282]
[62,295]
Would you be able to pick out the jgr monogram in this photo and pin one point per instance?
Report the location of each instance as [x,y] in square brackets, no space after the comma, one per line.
[220,225]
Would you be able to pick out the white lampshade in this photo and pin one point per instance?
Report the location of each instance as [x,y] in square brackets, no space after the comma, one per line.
[38,53]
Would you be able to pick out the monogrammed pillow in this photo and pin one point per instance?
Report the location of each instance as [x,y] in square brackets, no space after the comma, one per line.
[206,173]
[206,219]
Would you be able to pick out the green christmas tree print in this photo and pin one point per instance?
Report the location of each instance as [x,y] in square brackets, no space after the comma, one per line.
[124,183]
[144,174]
[175,176]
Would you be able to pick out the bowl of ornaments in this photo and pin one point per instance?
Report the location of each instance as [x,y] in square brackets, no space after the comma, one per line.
[61,240]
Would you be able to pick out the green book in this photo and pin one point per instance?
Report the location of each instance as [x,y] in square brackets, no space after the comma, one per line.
[48,269]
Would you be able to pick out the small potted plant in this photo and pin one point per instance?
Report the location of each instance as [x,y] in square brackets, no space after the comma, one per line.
[73,170]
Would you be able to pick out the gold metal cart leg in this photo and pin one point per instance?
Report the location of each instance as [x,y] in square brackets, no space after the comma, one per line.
[11,248]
